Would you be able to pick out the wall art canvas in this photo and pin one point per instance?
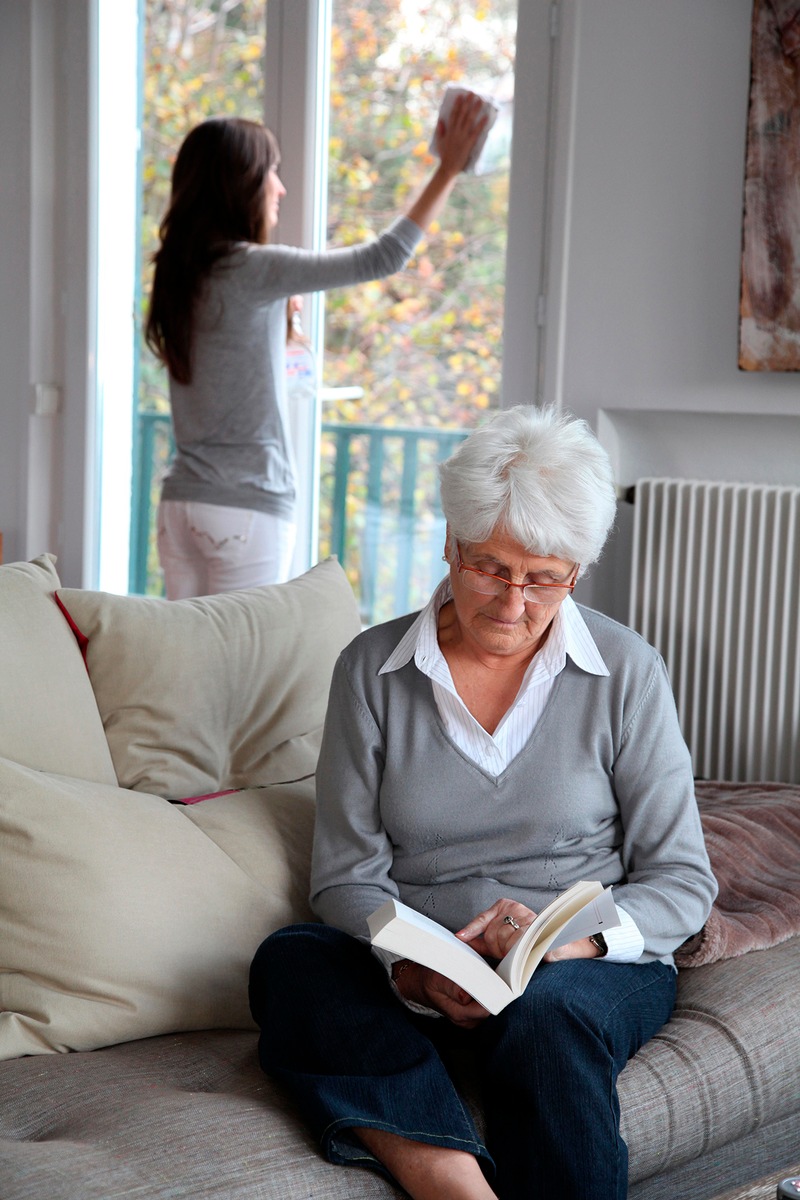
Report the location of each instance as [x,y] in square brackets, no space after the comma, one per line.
[769,323]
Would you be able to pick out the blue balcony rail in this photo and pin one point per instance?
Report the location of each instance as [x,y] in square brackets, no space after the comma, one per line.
[379,509]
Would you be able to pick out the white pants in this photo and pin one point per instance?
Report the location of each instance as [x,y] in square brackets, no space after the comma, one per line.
[209,548]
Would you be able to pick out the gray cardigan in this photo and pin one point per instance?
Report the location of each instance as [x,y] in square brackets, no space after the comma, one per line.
[231,422]
[602,790]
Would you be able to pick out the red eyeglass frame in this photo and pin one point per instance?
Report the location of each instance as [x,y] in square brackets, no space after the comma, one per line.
[462,566]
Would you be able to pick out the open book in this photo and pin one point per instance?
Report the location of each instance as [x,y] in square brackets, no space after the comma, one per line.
[583,909]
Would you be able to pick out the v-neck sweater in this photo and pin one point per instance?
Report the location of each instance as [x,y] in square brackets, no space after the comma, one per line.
[602,789]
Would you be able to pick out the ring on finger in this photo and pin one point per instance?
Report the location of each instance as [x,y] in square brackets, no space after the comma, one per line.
[511,921]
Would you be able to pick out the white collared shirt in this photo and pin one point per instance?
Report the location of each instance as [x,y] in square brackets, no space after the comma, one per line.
[569,635]
[493,752]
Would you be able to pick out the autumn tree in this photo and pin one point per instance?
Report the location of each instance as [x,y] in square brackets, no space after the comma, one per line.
[426,345]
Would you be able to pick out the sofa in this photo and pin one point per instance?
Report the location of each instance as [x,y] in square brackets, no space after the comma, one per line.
[156,810]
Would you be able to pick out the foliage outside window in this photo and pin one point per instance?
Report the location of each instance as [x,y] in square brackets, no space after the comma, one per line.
[426,345]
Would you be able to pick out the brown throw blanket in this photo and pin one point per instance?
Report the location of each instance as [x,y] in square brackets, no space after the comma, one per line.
[752,833]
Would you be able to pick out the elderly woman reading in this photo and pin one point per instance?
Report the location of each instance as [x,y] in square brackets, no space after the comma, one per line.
[479,758]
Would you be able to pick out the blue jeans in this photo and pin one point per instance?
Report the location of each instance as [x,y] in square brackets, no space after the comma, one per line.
[352,1055]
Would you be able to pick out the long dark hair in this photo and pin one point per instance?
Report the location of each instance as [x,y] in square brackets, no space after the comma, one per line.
[218,198]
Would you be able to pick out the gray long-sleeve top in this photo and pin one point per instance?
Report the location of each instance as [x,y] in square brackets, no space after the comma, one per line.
[602,790]
[231,421]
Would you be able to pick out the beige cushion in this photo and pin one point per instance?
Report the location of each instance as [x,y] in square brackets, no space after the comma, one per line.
[48,713]
[224,691]
[123,916]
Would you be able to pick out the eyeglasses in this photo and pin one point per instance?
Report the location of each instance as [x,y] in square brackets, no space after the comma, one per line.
[494,585]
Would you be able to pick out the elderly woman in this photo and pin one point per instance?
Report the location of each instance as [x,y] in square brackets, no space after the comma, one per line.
[479,758]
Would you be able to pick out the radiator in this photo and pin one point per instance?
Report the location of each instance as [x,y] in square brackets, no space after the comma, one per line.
[716,588]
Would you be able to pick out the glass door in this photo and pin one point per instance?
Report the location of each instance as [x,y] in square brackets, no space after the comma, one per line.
[411,363]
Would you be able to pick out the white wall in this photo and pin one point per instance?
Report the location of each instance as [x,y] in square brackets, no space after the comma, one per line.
[643,287]
[46,471]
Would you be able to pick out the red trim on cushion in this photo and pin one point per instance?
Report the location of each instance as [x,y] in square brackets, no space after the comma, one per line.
[80,637]
[208,796]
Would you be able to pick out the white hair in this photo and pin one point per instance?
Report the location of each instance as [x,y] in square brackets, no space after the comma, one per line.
[537,475]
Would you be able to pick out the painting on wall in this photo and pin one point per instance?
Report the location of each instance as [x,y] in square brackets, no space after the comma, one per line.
[769,319]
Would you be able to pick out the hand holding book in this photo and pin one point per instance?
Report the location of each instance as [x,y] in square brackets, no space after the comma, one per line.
[584,909]
[496,931]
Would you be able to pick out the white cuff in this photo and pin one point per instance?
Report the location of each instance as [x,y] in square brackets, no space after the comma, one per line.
[625,942]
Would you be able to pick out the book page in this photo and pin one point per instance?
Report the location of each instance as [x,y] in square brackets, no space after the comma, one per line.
[598,915]
[561,914]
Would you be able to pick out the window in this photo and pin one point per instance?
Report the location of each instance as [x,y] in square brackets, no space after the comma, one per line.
[407,366]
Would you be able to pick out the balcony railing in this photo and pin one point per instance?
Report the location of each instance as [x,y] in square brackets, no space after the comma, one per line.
[379,509]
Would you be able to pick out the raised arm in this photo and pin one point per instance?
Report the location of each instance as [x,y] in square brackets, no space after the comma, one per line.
[283,270]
